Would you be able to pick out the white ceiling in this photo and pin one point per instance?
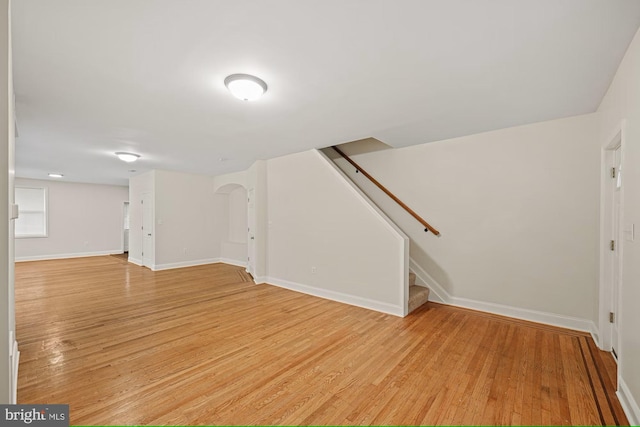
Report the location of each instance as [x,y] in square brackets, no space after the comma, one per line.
[146,76]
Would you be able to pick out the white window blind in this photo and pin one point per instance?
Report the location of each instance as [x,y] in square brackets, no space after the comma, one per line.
[32,205]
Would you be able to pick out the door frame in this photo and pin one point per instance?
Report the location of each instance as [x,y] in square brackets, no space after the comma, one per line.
[251,230]
[607,264]
[147,260]
[126,208]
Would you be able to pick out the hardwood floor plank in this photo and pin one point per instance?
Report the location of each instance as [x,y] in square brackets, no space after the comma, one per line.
[205,345]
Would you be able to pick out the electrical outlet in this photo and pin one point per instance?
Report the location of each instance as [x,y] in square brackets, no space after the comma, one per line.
[184,250]
[313,270]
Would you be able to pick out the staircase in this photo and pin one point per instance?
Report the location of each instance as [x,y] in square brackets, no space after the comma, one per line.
[418,295]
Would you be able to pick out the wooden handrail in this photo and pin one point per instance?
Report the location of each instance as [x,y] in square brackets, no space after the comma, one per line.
[427,226]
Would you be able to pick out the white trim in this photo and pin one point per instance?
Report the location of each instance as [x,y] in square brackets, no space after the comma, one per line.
[135,261]
[616,139]
[183,264]
[383,307]
[62,256]
[595,333]
[439,294]
[14,357]
[230,261]
[194,263]
[362,196]
[260,280]
[628,403]
[403,273]
[553,319]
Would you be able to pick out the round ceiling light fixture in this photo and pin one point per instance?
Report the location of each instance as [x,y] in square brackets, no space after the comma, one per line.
[127,157]
[245,86]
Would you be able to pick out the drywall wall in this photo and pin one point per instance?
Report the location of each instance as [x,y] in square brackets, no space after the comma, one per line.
[324,239]
[237,216]
[83,219]
[621,106]
[6,170]
[228,182]
[187,226]
[517,209]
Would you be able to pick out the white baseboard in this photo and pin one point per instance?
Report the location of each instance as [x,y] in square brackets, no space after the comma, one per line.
[197,262]
[135,261]
[14,357]
[552,319]
[628,403]
[182,264]
[439,294]
[63,256]
[232,262]
[260,279]
[595,335]
[396,310]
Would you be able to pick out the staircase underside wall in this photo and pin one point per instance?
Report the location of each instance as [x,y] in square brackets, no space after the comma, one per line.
[323,237]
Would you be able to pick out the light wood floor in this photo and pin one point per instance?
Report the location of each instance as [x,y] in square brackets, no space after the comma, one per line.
[204,345]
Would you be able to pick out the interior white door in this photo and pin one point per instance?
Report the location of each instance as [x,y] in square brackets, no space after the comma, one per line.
[147,230]
[251,238]
[125,228]
[616,246]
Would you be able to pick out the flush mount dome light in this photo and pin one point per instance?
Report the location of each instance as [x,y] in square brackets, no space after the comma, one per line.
[245,86]
[127,157]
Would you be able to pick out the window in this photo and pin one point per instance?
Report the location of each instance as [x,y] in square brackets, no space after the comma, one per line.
[32,205]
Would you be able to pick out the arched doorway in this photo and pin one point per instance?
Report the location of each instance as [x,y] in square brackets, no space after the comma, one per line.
[233,224]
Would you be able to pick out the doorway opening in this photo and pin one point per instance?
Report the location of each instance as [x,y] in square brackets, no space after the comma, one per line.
[148,254]
[235,228]
[125,229]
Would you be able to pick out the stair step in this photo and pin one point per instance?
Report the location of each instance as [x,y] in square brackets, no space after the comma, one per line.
[412,278]
[418,295]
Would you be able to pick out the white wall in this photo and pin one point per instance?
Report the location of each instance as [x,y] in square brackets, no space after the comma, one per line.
[238,216]
[322,238]
[83,219]
[191,223]
[187,225]
[230,180]
[622,102]
[518,213]
[6,196]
